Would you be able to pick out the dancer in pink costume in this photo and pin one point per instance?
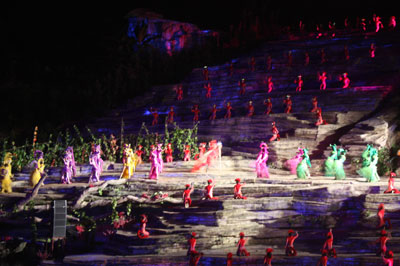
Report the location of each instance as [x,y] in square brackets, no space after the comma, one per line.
[261,162]
[97,164]
[299,83]
[291,164]
[372,49]
[160,151]
[155,165]
[270,85]
[346,81]
[241,251]
[322,77]
[378,23]
[392,23]
[388,258]
[275,133]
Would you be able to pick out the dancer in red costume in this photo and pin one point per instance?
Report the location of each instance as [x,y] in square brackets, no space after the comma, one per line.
[289,247]
[241,251]
[372,49]
[192,244]
[237,190]
[252,64]
[202,150]
[320,120]
[363,25]
[213,114]
[171,115]
[195,258]
[346,81]
[391,188]
[196,112]
[229,109]
[269,83]
[230,69]
[306,59]
[289,59]
[328,245]
[139,152]
[314,105]
[250,109]
[208,90]
[213,153]
[242,86]
[288,104]
[268,257]
[154,112]
[346,53]
[205,73]
[269,63]
[382,243]
[168,153]
[299,83]
[142,233]
[268,104]
[275,133]
[187,201]
[388,258]
[381,217]
[323,261]
[209,190]
[179,93]
[229,259]
[186,152]
[323,56]
[322,77]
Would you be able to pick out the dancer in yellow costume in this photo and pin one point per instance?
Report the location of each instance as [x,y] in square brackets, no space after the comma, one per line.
[37,173]
[130,160]
[7,162]
[5,176]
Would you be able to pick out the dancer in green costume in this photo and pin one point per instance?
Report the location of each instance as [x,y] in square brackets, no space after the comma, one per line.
[302,168]
[338,165]
[366,156]
[370,172]
[330,161]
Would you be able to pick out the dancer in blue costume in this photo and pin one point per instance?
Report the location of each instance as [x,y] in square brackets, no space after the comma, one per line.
[330,161]
[338,165]
[302,170]
[366,156]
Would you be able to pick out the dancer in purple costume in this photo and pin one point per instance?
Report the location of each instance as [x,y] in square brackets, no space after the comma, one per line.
[66,173]
[70,149]
[97,164]
[261,162]
[291,164]
[155,165]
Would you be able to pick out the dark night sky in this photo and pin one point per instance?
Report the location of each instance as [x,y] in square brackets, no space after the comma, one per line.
[38,28]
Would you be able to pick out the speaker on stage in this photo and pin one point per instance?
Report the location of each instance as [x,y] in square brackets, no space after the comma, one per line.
[59,218]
